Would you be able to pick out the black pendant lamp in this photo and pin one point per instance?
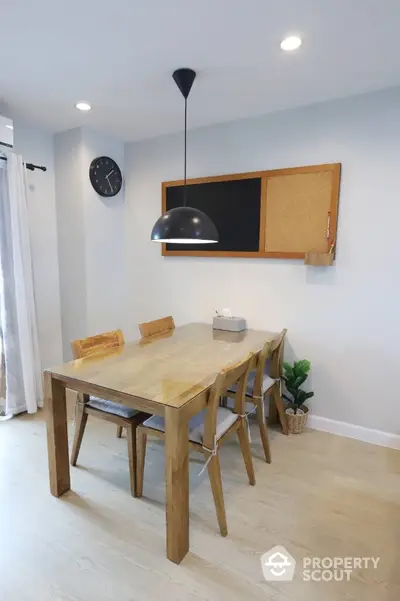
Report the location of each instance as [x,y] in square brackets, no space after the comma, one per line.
[184,225]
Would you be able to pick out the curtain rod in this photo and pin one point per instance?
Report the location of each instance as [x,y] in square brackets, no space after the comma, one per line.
[29,166]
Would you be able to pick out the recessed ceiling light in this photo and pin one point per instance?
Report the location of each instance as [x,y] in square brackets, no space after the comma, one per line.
[9,126]
[291,43]
[83,106]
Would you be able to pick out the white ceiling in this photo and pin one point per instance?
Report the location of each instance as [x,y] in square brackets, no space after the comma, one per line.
[119,56]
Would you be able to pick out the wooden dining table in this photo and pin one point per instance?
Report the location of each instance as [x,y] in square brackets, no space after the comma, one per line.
[167,375]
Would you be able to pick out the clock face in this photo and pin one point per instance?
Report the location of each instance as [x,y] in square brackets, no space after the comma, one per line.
[105,176]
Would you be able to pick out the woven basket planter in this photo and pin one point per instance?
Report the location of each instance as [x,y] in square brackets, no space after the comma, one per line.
[296,421]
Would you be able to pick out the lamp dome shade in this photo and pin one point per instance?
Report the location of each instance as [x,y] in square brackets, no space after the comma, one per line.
[184,225]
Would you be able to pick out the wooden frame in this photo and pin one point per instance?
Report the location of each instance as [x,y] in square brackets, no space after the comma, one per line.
[335,168]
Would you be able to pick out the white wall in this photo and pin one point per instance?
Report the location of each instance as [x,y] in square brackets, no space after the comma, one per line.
[36,146]
[345,319]
[104,240]
[6,134]
[71,235]
[91,238]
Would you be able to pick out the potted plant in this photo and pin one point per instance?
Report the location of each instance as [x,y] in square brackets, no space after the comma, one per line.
[294,376]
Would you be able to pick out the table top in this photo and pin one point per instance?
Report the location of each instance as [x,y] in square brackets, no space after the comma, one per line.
[168,369]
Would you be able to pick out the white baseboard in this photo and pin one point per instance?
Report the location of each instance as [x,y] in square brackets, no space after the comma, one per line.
[382,439]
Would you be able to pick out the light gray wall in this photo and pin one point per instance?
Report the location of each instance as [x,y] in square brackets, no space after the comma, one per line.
[6,134]
[71,235]
[345,319]
[91,238]
[104,240]
[36,146]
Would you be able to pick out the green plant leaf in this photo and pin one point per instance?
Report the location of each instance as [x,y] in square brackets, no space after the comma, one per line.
[301,397]
[299,381]
[296,397]
[309,395]
[288,369]
[302,367]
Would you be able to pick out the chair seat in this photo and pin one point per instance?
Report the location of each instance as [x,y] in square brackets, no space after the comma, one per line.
[110,407]
[225,419]
[249,408]
[267,383]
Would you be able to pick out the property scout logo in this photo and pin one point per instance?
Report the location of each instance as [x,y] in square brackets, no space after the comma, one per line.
[278,565]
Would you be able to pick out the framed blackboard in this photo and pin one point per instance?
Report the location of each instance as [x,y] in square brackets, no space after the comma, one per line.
[280,213]
[234,206]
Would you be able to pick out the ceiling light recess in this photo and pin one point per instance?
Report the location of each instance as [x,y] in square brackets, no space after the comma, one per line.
[83,106]
[292,42]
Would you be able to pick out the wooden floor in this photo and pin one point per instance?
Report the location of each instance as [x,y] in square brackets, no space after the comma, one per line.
[323,495]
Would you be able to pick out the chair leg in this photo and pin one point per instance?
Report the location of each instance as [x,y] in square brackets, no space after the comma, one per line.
[277,401]
[141,457]
[80,424]
[263,430]
[272,410]
[131,436]
[243,437]
[119,431]
[214,474]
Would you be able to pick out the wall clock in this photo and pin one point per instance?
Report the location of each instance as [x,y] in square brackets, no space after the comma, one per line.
[105,176]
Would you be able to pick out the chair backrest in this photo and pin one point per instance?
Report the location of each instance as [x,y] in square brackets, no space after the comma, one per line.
[158,326]
[260,370]
[277,348]
[236,373]
[84,347]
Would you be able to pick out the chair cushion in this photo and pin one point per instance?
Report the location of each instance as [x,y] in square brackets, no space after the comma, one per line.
[249,407]
[110,407]
[267,383]
[225,419]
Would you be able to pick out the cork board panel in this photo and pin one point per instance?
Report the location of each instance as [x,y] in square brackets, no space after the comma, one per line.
[297,212]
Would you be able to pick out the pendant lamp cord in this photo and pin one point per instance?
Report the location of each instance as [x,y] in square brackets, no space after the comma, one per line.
[184,187]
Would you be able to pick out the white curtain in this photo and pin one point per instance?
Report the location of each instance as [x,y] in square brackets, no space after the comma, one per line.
[23,379]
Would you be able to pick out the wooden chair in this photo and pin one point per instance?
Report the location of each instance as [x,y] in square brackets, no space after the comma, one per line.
[101,408]
[208,430]
[260,385]
[149,329]
[276,407]
[158,326]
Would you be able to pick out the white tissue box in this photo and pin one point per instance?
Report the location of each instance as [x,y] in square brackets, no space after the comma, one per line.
[231,324]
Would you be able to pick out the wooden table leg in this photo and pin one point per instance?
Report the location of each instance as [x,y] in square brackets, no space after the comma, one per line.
[177,483]
[57,435]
